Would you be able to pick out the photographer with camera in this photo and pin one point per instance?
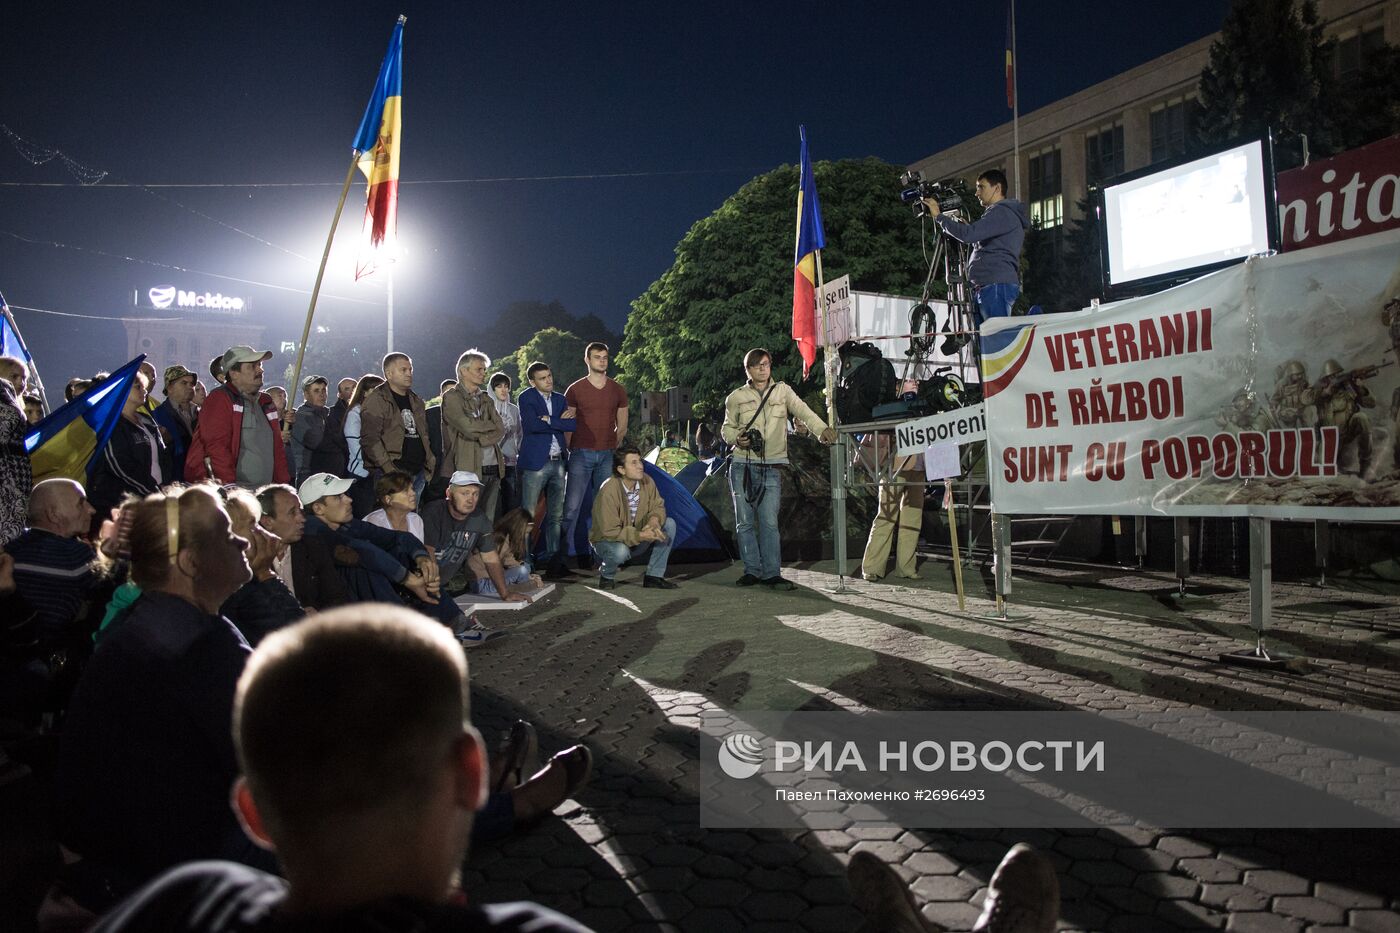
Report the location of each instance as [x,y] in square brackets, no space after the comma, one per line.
[755,422]
[996,238]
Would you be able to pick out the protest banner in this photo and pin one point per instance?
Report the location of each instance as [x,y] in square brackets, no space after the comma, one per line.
[1267,389]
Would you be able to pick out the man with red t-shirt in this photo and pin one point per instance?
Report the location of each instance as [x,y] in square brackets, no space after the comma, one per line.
[601,404]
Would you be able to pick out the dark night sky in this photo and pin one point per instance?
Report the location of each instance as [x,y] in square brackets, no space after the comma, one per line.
[704,96]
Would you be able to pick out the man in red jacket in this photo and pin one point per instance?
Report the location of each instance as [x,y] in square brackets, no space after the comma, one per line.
[238,439]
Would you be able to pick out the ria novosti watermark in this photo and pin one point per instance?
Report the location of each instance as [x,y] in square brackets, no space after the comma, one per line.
[1188,767]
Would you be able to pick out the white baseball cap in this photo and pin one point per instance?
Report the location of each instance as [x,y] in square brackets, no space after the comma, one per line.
[465,478]
[320,485]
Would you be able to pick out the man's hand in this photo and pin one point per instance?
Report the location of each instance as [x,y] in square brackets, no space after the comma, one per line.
[290,415]
[933,209]
[416,585]
[828,436]
[7,573]
[742,442]
[428,570]
[515,598]
[570,412]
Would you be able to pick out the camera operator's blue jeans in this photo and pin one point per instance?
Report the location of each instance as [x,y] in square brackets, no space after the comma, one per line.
[759,547]
[613,554]
[996,300]
[586,468]
[549,478]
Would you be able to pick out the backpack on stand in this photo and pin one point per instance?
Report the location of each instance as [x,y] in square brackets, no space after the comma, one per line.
[866,382]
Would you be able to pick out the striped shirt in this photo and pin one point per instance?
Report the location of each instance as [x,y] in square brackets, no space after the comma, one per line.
[53,574]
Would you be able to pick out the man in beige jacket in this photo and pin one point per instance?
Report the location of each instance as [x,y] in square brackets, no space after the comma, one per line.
[471,424]
[629,523]
[755,422]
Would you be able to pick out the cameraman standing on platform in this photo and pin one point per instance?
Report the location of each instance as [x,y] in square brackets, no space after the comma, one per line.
[755,422]
[996,238]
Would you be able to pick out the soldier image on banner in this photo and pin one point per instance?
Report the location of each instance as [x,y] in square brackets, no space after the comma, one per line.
[1294,402]
[1341,394]
[1244,414]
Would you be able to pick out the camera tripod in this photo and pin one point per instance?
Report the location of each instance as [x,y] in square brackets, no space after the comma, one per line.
[950,257]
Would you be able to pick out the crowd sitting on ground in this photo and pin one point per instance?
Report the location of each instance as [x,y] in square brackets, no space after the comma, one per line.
[215,524]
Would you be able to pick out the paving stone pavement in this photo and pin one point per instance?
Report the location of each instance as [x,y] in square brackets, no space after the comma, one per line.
[630,672]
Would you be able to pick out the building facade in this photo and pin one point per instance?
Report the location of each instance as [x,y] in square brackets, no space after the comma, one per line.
[1133,120]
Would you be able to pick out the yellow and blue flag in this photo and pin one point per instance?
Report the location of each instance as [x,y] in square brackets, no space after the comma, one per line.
[810,238]
[379,142]
[67,442]
[12,344]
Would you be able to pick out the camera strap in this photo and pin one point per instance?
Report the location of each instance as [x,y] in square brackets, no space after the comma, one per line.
[763,400]
[754,489]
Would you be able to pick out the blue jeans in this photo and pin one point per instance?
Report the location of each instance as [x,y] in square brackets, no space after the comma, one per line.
[757,527]
[996,300]
[517,574]
[549,478]
[586,468]
[613,554]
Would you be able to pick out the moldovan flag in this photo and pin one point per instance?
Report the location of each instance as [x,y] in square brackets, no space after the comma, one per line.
[65,444]
[810,238]
[379,141]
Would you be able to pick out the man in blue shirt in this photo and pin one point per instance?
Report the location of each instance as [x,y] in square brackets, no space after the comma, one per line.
[545,419]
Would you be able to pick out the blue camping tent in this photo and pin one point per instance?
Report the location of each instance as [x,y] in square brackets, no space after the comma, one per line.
[694,532]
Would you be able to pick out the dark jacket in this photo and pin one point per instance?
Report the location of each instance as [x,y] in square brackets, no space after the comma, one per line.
[146,758]
[129,464]
[261,607]
[535,434]
[996,237]
[316,583]
[179,436]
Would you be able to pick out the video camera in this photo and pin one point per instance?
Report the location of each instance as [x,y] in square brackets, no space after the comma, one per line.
[948,194]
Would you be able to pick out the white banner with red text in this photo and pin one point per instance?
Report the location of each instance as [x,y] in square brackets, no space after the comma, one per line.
[1267,389]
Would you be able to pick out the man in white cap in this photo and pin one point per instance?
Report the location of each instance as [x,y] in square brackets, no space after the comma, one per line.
[455,528]
[391,567]
[238,439]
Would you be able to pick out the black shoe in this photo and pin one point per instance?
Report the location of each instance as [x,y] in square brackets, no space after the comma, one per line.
[607,583]
[658,583]
[747,579]
[557,571]
[778,583]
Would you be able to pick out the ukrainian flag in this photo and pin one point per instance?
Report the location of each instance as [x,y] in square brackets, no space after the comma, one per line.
[810,238]
[66,443]
[378,142]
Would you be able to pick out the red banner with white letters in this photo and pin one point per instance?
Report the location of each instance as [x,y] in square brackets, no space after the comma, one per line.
[1349,195]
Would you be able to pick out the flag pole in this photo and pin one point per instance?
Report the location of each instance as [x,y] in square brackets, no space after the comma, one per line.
[321,272]
[826,347]
[1015,108]
[389,280]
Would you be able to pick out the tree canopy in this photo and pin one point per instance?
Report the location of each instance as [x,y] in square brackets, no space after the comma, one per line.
[562,350]
[1270,68]
[730,287]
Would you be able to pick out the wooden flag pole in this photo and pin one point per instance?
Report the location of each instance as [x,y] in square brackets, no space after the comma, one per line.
[320,274]
[953,536]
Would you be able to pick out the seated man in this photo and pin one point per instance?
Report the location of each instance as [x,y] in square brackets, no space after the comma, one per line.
[455,529]
[145,763]
[53,565]
[370,821]
[306,565]
[390,566]
[629,522]
[265,603]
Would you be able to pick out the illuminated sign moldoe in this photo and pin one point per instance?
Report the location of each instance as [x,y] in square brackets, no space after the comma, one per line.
[163,296]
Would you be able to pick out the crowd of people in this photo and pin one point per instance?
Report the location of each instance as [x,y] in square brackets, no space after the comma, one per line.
[295,571]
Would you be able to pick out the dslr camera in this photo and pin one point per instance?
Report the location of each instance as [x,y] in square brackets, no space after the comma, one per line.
[948,194]
[755,438]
